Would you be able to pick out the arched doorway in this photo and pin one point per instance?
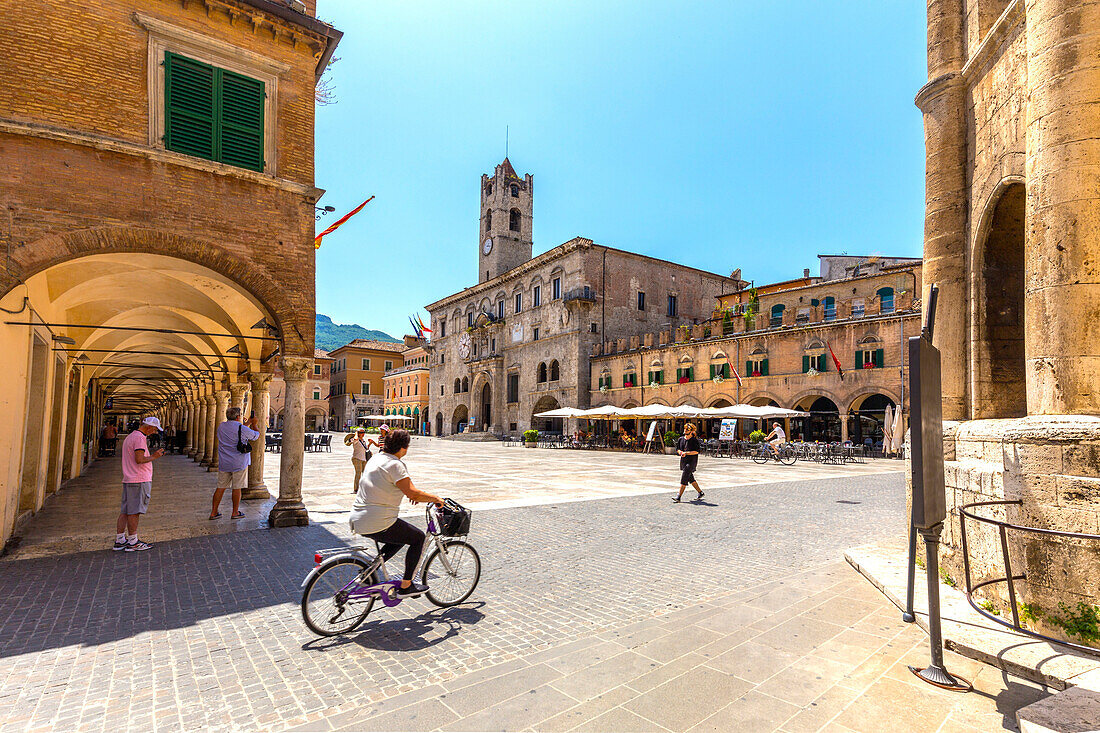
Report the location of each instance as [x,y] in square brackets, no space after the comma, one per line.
[459,418]
[486,402]
[998,314]
[315,419]
[823,424]
[439,423]
[712,426]
[866,420]
[547,424]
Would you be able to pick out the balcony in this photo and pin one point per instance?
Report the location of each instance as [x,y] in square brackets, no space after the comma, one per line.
[579,295]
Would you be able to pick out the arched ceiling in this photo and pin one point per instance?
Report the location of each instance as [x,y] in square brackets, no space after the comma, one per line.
[147,326]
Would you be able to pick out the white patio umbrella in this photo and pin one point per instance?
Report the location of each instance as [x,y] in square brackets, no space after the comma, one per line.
[560,412]
[888,429]
[607,412]
[898,437]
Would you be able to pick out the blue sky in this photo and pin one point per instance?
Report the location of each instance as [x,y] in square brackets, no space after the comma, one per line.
[715,134]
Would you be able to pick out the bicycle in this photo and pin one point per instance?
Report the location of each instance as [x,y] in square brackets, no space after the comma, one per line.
[345,582]
[785,454]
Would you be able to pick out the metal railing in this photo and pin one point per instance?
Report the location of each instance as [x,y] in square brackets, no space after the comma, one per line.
[586,293]
[1003,528]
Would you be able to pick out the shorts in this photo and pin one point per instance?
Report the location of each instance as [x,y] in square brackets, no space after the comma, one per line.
[687,471]
[135,497]
[233,479]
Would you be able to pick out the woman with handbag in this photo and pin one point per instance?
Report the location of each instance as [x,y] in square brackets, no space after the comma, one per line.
[360,454]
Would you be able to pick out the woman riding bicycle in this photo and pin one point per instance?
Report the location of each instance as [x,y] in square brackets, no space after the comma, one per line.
[776,438]
[384,483]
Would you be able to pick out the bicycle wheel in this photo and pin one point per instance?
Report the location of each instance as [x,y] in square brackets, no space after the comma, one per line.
[787,457]
[762,456]
[326,609]
[451,588]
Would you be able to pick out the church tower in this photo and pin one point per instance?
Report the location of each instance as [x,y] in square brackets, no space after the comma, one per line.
[506,208]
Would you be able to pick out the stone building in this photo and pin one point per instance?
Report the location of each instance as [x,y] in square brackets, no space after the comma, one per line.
[780,338]
[1012,238]
[519,341]
[159,244]
[356,381]
[406,387]
[317,389]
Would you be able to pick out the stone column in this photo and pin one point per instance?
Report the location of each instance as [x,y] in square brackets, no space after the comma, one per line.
[236,397]
[1062,241]
[261,402]
[943,102]
[200,428]
[289,511]
[188,409]
[221,403]
[192,427]
[209,450]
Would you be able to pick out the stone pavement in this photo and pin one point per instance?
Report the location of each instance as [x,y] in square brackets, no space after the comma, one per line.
[82,515]
[205,633]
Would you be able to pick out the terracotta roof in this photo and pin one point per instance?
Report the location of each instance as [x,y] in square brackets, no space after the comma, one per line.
[376,345]
[320,354]
[508,170]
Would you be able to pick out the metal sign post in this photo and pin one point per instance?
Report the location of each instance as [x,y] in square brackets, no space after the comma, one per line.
[929,496]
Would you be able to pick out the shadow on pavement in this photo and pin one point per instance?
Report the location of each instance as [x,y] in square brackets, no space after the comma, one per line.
[405,634]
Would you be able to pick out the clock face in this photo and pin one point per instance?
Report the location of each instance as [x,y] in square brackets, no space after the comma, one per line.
[464,345]
[487,245]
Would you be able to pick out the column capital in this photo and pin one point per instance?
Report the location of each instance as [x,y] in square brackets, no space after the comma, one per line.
[237,390]
[260,381]
[210,400]
[296,368]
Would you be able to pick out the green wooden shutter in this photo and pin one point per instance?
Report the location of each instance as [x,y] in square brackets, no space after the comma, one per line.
[879,360]
[190,125]
[764,368]
[859,359]
[242,121]
[748,368]
[805,363]
[712,372]
[725,371]
[823,364]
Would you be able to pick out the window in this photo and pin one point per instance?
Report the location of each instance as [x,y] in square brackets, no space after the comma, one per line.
[519,302]
[442,358]
[469,320]
[512,426]
[515,191]
[555,371]
[656,375]
[886,300]
[830,308]
[542,373]
[555,288]
[416,388]
[684,375]
[458,386]
[441,390]
[592,328]
[605,380]
[513,387]
[388,365]
[857,308]
[364,388]
[488,219]
[513,220]
[316,394]
[757,366]
[641,300]
[817,363]
[366,365]
[500,309]
[213,113]
[722,370]
[672,306]
[777,315]
[492,346]
[535,337]
[536,297]
[465,384]
[442,329]
[316,369]
[868,357]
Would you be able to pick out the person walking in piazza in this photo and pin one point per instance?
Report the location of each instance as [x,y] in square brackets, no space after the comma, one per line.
[360,454]
[234,457]
[688,448]
[137,485]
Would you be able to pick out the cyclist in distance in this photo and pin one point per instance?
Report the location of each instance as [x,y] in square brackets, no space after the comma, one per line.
[384,483]
[776,438]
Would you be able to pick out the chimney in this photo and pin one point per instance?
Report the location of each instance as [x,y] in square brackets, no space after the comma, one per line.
[806,272]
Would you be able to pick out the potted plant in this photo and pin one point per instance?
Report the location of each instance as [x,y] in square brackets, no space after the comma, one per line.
[671,437]
[757,436]
[530,438]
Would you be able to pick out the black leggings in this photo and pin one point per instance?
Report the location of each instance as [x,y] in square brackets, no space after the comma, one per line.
[397,534]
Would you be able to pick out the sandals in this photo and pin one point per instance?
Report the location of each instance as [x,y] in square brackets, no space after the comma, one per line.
[238,515]
[215,516]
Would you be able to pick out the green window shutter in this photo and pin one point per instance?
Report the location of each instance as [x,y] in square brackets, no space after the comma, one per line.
[725,371]
[691,373]
[823,364]
[859,359]
[242,121]
[190,126]
[805,363]
[748,368]
[679,373]
[764,367]
[879,361]
[712,372]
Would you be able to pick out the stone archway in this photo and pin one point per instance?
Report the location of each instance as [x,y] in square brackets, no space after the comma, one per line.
[546,424]
[459,418]
[438,424]
[823,424]
[485,402]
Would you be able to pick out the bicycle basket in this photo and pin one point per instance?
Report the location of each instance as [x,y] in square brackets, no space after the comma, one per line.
[454,519]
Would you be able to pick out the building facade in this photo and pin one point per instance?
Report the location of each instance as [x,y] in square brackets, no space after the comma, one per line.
[407,386]
[317,389]
[1012,239]
[356,380]
[519,341]
[158,186]
[781,339]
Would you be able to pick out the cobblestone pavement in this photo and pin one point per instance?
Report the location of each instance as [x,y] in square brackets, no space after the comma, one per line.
[205,633]
[82,515]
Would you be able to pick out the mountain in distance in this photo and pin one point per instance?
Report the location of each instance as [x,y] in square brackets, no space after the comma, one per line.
[331,335]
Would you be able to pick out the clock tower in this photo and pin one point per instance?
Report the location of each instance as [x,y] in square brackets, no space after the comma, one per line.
[506,208]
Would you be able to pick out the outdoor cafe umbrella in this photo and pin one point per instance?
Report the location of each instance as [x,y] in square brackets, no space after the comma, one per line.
[888,429]
[560,412]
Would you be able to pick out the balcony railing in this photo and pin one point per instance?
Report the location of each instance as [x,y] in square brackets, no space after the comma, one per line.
[585,294]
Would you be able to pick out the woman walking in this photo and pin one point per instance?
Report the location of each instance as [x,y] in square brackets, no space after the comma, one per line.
[688,448]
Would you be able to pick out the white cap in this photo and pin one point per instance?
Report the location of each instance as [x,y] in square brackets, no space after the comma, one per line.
[151,421]
[384,426]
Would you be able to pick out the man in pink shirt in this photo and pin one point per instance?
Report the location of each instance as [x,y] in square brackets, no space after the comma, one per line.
[137,484]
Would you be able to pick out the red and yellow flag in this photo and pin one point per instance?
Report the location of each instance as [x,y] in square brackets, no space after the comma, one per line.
[336,224]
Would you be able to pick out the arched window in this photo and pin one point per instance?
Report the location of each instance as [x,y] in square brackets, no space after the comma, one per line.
[555,371]
[829,308]
[488,219]
[719,366]
[777,315]
[605,379]
[465,384]
[686,371]
[458,386]
[869,353]
[757,363]
[885,300]
[513,220]
[515,191]
[813,357]
[542,372]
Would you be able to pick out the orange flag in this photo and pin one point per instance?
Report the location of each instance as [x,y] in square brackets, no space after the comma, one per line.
[336,224]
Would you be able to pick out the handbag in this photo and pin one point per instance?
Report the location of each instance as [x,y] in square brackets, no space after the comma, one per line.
[243,446]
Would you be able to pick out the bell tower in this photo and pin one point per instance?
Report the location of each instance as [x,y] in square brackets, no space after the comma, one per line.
[505,229]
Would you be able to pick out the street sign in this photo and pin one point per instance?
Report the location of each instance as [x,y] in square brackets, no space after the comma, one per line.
[926,424]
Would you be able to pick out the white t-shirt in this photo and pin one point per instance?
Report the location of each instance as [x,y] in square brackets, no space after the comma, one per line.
[359,449]
[376,503]
[780,435]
